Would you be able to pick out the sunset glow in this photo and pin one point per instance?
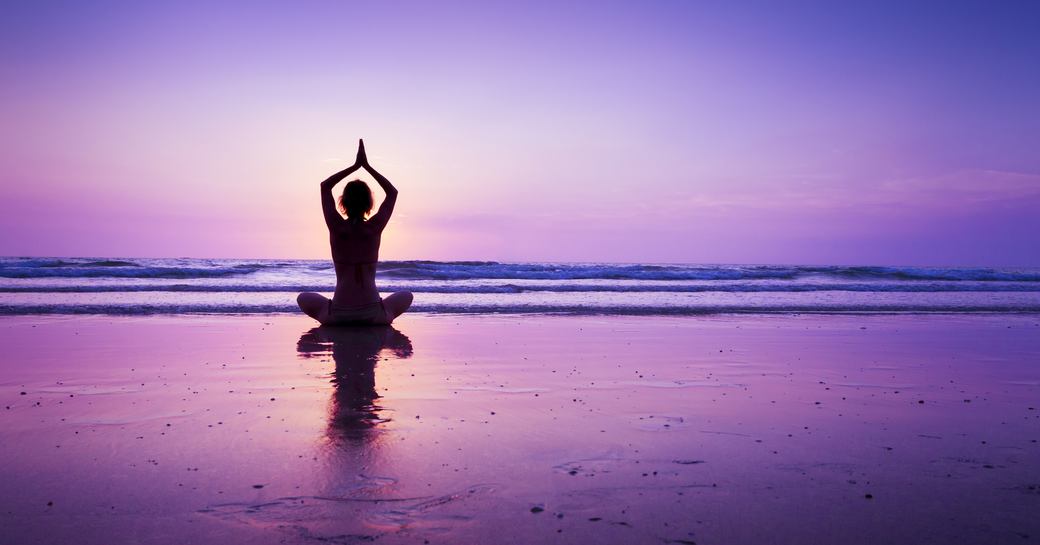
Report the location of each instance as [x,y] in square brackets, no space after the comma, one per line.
[662,132]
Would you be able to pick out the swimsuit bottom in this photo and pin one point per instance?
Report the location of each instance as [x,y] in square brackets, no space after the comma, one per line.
[369,314]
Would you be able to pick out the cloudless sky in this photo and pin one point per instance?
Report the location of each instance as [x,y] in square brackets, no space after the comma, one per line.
[704,132]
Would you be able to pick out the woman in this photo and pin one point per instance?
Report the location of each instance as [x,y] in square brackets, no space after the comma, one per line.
[355,252]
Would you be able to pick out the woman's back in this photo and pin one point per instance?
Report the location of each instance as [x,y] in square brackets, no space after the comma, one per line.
[355,253]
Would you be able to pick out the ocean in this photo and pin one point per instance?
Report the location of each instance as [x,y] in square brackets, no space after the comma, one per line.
[177,286]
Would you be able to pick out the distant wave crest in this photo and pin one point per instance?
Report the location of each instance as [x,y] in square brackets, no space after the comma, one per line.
[110,268]
[492,270]
[548,271]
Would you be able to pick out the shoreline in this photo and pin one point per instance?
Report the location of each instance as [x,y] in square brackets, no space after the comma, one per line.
[634,313]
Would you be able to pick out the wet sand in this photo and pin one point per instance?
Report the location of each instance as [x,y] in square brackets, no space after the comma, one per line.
[526,429]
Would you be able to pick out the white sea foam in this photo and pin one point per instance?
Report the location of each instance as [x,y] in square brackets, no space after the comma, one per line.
[130,286]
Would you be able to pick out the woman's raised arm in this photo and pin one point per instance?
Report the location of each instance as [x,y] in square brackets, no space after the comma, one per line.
[386,209]
[328,204]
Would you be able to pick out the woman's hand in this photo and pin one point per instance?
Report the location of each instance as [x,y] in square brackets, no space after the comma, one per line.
[360,163]
[362,158]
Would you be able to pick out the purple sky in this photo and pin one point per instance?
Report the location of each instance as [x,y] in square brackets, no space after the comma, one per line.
[885,133]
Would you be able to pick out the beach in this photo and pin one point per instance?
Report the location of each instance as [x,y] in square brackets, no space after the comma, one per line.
[464,428]
[658,273]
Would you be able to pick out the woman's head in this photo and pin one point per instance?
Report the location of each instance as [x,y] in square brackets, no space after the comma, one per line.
[356,200]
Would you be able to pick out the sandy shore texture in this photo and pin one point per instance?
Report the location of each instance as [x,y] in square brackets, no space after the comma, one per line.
[530,429]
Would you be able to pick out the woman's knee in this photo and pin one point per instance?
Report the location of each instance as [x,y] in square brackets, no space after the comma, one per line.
[310,303]
[397,303]
[404,299]
[305,297]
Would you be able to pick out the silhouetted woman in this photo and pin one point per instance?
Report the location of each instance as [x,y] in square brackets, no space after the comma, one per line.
[355,252]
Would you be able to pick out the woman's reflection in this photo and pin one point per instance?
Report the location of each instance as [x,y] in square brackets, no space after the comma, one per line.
[355,350]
